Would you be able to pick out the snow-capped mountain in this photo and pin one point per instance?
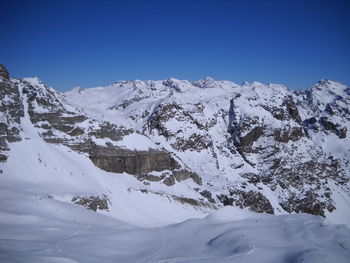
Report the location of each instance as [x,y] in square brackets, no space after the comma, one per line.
[259,146]
[152,153]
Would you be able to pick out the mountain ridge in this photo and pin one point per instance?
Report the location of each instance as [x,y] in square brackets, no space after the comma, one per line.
[203,144]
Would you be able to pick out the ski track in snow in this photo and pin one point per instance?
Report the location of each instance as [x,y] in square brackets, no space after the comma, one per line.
[75,234]
[158,252]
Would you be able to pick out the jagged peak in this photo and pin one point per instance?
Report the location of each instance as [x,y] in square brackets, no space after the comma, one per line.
[209,79]
[175,80]
[325,92]
[206,79]
[176,84]
[39,86]
[207,82]
[329,86]
[323,81]
[329,82]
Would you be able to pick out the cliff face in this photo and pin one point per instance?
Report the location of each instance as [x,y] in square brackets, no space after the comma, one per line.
[11,108]
[259,146]
[112,159]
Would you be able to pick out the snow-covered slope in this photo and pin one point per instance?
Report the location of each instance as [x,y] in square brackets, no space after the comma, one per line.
[65,233]
[131,158]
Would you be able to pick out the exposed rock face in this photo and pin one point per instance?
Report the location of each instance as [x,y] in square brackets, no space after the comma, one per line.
[92,202]
[309,203]
[181,175]
[334,128]
[107,130]
[207,195]
[11,108]
[195,142]
[140,163]
[254,200]
[246,142]
[252,122]
[184,175]
[292,134]
[183,200]
[112,159]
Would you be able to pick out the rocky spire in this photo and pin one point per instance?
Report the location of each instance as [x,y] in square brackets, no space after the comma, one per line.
[3,72]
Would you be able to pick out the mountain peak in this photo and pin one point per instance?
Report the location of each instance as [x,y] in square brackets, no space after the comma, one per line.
[326,86]
[176,84]
[208,79]
[207,82]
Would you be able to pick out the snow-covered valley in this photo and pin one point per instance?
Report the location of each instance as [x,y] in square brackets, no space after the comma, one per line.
[173,171]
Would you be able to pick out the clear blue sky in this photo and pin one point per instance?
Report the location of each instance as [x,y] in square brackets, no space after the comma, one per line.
[85,43]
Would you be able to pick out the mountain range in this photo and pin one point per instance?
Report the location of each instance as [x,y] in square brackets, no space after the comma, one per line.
[154,153]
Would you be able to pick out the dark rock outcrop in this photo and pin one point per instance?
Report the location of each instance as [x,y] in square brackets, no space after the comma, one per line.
[117,160]
[181,175]
[108,130]
[11,109]
[286,135]
[254,200]
[335,128]
[309,203]
[169,181]
[92,202]
[195,142]
[208,195]
[183,200]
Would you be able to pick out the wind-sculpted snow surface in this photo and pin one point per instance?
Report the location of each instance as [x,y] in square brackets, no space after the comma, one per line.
[230,235]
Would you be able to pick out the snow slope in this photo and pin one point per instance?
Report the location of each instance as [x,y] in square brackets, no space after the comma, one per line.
[229,235]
